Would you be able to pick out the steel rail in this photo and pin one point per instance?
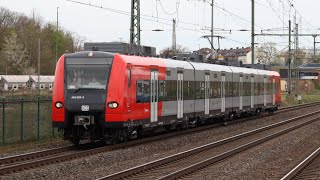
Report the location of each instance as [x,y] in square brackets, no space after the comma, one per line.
[33,155]
[296,170]
[210,161]
[8,162]
[173,158]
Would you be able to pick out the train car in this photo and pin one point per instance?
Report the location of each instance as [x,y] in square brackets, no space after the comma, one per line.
[113,97]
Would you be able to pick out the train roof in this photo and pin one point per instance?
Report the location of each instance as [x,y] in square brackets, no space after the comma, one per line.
[211,67]
[171,63]
[81,54]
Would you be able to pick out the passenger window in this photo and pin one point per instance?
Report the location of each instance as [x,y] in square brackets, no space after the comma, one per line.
[129,77]
[235,89]
[218,84]
[211,90]
[186,90]
[162,90]
[171,88]
[143,91]
[146,91]
[202,90]
[198,90]
[139,92]
[191,89]
[256,89]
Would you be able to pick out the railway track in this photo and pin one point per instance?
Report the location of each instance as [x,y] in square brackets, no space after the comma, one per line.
[309,168]
[296,107]
[41,158]
[185,163]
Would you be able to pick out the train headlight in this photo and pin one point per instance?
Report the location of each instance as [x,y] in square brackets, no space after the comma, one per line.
[59,105]
[112,105]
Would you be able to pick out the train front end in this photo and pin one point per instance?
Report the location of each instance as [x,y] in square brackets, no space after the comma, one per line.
[79,95]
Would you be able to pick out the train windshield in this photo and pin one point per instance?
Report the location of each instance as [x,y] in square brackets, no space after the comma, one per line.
[87,76]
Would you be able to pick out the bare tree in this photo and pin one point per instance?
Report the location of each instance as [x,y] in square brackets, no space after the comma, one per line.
[78,42]
[268,54]
[168,52]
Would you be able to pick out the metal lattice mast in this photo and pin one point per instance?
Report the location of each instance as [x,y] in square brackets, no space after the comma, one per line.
[252,32]
[135,22]
[298,62]
[174,42]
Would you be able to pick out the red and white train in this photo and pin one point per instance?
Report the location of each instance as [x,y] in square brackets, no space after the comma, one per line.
[110,97]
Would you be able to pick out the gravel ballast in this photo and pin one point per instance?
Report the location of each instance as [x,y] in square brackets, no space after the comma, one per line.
[16,149]
[110,162]
[269,160]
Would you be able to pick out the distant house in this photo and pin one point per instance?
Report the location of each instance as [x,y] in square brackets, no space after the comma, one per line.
[13,82]
[239,54]
[45,82]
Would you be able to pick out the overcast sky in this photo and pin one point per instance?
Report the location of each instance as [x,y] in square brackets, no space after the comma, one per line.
[193,17]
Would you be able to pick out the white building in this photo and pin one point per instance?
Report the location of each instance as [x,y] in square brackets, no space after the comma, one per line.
[13,82]
[45,82]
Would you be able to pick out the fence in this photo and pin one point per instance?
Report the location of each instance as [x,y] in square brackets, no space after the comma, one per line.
[24,120]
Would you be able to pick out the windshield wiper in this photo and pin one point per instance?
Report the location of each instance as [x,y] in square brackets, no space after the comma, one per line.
[81,88]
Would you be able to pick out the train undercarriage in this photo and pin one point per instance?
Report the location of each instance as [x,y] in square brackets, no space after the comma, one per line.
[89,131]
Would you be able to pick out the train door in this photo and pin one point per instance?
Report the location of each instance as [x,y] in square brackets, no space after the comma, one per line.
[241,92]
[154,96]
[223,93]
[273,91]
[206,94]
[265,91]
[252,91]
[180,95]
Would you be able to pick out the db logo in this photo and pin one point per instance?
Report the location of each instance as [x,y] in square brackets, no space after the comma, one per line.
[85,108]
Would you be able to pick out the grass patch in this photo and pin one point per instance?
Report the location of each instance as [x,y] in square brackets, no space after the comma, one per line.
[306,98]
[23,123]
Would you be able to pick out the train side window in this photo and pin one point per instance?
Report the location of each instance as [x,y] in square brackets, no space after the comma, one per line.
[140,96]
[245,89]
[226,86]
[228,89]
[231,89]
[202,90]
[162,90]
[269,88]
[256,89]
[248,88]
[171,89]
[186,90]
[146,91]
[235,89]
[191,89]
[218,84]
[212,90]
[242,89]
[129,77]
[198,90]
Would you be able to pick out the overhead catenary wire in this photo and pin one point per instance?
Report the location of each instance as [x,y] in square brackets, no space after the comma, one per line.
[128,13]
[166,12]
[186,26]
[142,16]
